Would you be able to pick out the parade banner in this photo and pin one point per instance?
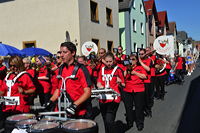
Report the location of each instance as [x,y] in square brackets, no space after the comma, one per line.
[164,45]
[89,47]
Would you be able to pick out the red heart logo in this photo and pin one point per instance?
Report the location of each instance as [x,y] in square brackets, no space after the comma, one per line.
[162,45]
[89,49]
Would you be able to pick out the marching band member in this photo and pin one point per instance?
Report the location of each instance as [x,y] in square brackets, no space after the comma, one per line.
[146,63]
[44,84]
[160,65]
[77,88]
[110,76]
[134,93]
[19,85]
[120,57]
[3,70]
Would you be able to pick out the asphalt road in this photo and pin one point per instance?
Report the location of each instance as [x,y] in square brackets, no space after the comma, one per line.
[167,114]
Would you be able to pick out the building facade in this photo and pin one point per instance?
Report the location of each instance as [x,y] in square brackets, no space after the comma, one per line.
[132,25]
[36,23]
[152,22]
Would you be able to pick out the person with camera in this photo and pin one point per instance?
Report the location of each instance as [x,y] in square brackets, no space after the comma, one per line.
[134,93]
[17,85]
[110,77]
[77,83]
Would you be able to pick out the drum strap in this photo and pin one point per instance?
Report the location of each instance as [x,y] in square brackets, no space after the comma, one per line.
[108,77]
[10,83]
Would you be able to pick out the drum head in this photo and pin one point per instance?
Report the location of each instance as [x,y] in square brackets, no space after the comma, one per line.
[20,117]
[79,124]
[49,119]
[42,126]
[26,123]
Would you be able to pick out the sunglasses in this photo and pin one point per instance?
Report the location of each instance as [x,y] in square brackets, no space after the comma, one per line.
[133,59]
[58,57]
[141,54]
[101,52]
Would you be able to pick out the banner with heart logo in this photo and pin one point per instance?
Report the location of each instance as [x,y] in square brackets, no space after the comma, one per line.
[164,45]
[89,47]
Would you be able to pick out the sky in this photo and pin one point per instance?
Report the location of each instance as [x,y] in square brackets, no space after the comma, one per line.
[185,13]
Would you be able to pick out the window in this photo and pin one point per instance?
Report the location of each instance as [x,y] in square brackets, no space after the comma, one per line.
[94,11]
[29,44]
[134,25]
[96,41]
[121,0]
[142,45]
[141,8]
[135,47]
[133,3]
[109,17]
[142,28]
[110,45]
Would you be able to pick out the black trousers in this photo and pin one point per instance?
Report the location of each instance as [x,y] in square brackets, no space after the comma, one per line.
[138,99]
[149,96]
[44,98]
[179,75]
[160,86]
[108,112]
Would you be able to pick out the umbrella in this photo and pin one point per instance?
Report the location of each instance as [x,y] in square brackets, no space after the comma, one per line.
[6,50]
[35,51]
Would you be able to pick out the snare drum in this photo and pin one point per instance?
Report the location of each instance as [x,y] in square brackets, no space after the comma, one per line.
[25,124]
[12,120]
[45,127]
[80,126]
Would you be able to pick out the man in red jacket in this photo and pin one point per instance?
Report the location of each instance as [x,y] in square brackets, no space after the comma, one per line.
[77,88]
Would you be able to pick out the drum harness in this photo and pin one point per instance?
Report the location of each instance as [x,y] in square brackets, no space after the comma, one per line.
[67,99]
[106,93]
[11,100]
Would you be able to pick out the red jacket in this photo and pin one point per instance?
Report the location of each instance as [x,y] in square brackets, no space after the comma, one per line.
[25,83]
[44,85]
[113,83]
[133,82]
[75,87]
[148,62]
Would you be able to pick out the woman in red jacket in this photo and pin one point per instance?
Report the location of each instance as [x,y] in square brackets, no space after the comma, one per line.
[18,85]
[110,76]
[134,93]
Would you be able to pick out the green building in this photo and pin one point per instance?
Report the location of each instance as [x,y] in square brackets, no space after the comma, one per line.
[132,25]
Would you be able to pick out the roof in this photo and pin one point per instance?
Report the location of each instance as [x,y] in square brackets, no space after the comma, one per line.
[162,16]
[172,28]
[150,8]
[125,5]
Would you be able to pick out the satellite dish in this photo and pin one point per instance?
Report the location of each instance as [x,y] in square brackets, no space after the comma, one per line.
[67,37]
[89,47]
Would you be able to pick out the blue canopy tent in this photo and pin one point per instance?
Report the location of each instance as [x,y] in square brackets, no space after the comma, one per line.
[6,50]
[36,51]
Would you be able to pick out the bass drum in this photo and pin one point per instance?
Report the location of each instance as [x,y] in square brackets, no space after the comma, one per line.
[45,127]
[80,126]
[12,120]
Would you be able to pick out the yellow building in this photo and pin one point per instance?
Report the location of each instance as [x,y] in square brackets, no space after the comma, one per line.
[43,23]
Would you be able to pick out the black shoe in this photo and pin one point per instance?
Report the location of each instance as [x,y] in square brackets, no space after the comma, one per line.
[129,125]
[140,127]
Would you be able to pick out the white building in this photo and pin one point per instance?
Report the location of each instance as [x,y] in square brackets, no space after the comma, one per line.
[43,23]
